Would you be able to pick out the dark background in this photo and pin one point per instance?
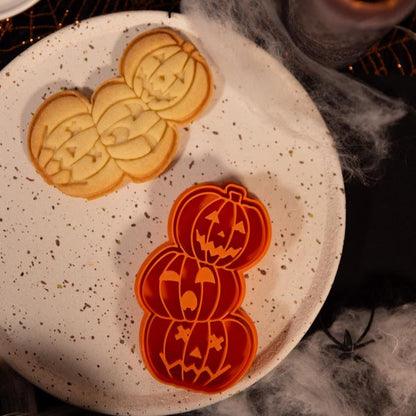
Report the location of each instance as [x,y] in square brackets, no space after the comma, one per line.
[378,263]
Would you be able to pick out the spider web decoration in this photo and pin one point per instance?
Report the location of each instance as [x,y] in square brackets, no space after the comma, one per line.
[47,16]
[395,53]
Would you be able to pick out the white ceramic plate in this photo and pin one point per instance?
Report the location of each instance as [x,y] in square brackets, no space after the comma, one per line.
[69,318]
[9,8]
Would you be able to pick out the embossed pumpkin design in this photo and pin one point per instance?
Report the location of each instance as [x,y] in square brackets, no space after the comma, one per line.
[168,74]
[226,228]
[206,356]
[194,333]
[177,286]
[128,130]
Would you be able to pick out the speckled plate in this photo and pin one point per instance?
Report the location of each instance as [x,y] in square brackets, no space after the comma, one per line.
[69,318]
[9,8]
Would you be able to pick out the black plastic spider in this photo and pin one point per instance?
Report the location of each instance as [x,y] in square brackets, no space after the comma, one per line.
[348,347]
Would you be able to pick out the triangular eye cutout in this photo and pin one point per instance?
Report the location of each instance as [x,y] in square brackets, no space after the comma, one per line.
[71,150]
[213,216]
[221,234]
[195,353]
[160,57]
[215,342]
[240,227]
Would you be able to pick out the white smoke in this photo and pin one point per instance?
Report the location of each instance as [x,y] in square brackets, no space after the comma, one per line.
[317,379]
[358,116]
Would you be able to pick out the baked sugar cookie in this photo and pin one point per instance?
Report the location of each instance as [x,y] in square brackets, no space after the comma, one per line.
[127,131]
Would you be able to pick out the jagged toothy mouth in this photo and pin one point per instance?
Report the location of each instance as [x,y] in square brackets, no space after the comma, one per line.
[210,248]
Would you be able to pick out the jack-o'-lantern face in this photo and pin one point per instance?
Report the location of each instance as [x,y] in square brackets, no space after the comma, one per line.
[177,286]
[169,75]
[164,76]
[224,228]
[221,233]
[202,356]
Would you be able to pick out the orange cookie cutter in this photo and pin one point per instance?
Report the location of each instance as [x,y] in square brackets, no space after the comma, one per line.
[194,334]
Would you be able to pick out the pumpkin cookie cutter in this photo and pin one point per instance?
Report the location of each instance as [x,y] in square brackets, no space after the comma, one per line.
[194,334]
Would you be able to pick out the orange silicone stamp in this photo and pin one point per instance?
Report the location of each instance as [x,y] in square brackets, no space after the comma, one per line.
[194,333]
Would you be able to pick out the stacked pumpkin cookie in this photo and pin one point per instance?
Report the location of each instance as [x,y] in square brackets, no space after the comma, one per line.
[128,129]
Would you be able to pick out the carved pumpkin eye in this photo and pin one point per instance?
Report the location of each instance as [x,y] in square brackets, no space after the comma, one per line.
[213,216]
[206,357]
[205,275]
[239,227]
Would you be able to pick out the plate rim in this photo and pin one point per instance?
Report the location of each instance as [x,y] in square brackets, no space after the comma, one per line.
[180,19]
[15,10]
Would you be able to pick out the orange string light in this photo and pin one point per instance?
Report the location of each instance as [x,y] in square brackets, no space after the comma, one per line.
[396,53]
[48,16]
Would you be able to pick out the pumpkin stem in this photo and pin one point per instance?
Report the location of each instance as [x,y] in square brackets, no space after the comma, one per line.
[188,47]
[236,193]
